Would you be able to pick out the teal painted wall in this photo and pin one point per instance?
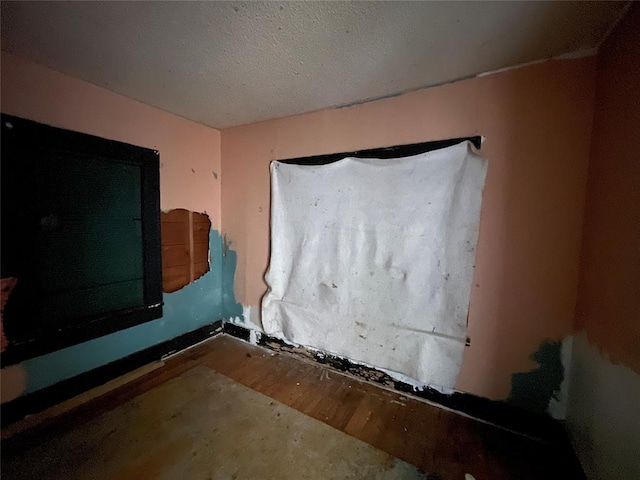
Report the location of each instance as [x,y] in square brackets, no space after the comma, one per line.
[202,302]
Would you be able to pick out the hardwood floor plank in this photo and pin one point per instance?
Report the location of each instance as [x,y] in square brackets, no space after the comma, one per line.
[440,442]
[337,405]
[367,422]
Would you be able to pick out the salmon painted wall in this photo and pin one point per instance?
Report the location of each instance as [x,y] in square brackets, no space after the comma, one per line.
[609,296]
[537,123]
[190,178]
[603,412]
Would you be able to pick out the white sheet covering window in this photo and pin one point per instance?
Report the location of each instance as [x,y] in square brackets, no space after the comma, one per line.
[373,259]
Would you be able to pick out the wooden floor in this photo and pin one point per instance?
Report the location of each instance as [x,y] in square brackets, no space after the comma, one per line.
[443,444]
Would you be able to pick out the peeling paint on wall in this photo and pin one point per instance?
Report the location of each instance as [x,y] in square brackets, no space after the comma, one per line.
[534,390]
[208,299]
[250,319]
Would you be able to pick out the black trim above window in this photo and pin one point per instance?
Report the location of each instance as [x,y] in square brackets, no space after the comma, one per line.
[28,150]
[397,151]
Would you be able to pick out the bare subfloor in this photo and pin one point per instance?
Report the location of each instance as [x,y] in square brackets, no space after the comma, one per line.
[196,418]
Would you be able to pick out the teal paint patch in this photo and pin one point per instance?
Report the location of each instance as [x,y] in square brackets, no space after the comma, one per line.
[232,308]
[204,301]
[534,390]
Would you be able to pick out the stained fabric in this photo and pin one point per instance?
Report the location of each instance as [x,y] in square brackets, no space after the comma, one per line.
[373,259]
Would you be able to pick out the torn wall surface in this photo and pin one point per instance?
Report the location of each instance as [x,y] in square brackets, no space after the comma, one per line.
[373,259]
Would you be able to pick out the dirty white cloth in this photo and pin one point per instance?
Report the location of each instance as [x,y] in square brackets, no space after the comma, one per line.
[373,259]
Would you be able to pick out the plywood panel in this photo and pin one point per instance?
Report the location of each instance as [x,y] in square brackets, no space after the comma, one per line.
[179,215]
[200,252]
[200,269]
[201,232]
[172,233]
[174,255]
[202,218]
[174,278]
[185,248]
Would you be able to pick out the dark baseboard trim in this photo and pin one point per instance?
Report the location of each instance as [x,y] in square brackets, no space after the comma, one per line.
[236,331]
[40,400]
[538,426]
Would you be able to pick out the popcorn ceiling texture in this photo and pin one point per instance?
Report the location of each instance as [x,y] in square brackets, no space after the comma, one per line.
[233,63]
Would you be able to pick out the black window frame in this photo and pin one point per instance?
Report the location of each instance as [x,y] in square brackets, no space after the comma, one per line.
[19,133]
[396,151]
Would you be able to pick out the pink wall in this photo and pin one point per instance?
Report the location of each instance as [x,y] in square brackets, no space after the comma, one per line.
[537,121]
[609,294]
[189,151]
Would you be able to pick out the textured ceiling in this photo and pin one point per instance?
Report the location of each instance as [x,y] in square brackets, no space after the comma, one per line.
[231,63]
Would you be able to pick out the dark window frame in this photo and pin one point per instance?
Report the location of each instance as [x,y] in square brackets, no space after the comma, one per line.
[22,134]
[396,151]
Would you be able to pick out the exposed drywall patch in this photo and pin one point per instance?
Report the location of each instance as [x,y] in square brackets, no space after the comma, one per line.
[200,303]
[250,319]
[534,390]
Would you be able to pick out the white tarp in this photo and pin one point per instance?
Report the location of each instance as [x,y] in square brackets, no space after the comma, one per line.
[373,259]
